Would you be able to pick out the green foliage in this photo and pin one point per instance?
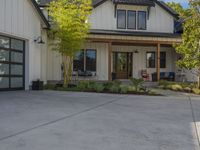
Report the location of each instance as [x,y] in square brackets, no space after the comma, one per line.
[176,87]
[137,83]
[115,89]
[82,85]
[187,89]
[189,49]
[99,88]
[196,91]
[124,89]
[108,85]
[69,29]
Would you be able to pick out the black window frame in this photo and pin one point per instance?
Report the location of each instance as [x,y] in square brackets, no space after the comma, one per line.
[85,60]
[163,59]
[129,18]
[139,18]
[86,67]
[10,62]
[147,61]
[118,10]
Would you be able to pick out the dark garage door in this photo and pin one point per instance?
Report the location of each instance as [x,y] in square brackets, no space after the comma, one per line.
[11,63]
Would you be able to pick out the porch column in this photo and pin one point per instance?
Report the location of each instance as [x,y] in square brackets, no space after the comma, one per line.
[109,60]
[158,62]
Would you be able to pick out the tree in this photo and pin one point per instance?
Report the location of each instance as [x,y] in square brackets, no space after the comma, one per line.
[190,46]
[69,29]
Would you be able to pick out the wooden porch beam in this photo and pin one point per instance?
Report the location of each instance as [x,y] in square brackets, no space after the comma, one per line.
[132,42]
[109,61]
[158,62]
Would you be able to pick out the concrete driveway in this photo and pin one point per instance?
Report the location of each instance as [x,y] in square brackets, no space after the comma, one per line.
[50,120]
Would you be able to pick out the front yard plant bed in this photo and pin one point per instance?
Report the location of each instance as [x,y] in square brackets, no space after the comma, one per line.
[115,87]
[180,87]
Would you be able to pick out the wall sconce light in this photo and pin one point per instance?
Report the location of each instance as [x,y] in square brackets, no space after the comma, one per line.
[136,51]
[39,40]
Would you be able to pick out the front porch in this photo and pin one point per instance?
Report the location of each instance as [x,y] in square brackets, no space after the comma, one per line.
[128,56]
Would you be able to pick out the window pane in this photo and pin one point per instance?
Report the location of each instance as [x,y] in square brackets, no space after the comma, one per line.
[4,55]
[4,82]
[142,20]
[16,69]
[79,61]
[150,60]
[16,82]
[91,60]
[17,44]
[16,57]
[162,59]
[131,19]
[121,19]
[4,42]
[4,69]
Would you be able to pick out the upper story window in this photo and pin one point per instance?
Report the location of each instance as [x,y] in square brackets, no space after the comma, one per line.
[121,19]
[142,20]
[129,19]
[131,22]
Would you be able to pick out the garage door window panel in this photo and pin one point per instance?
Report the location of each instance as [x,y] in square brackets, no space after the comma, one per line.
[4,42]
[4,55]
[4,82]
[16,82]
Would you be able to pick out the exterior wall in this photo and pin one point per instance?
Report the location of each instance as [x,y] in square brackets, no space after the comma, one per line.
[139,59]
[103,17]
[20,20]
[54,61]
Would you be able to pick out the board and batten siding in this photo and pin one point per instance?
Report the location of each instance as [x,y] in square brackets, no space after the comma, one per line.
[54,62]
[103,17]
[19,19]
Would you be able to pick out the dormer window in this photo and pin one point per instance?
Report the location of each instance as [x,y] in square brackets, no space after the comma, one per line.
[130,19]
[142,20]
[121,19]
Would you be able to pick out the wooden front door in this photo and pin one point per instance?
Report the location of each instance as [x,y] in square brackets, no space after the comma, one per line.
[122,65]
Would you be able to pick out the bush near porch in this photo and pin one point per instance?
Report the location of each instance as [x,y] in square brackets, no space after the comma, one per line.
[180,86]
[115,87]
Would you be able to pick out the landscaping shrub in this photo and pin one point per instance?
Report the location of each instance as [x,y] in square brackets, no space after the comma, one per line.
[108,85]
[176,87]
[124,89]
[187,89]
[131,89]
[82,85]
[164,84]
[115,89]
[99,87]
[91,85]
[196,91]
[137,83]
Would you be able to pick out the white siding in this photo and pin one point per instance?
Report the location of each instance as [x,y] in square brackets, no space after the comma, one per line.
[103,17]
[19,19]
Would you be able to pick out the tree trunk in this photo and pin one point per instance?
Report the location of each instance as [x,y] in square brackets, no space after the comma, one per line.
[65,70]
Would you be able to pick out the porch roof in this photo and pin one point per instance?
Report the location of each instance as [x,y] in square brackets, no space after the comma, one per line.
[135,33]
[123,37]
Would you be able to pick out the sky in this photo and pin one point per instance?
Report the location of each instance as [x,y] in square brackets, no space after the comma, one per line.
[184,3]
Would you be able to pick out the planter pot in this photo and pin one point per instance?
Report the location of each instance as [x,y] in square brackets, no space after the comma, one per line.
[37,85]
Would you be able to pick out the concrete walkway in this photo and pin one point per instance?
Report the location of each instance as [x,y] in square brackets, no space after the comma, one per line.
[50,120]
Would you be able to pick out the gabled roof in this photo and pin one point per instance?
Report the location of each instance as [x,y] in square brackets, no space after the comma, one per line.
[135,2]
[40,13]
[162,4]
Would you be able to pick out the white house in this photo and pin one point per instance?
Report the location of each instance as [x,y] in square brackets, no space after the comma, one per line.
[128,38]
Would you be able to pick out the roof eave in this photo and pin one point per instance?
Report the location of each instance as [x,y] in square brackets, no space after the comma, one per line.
[41,14]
